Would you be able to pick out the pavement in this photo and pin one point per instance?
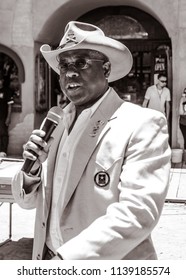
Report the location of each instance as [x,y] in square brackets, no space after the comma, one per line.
[169,235]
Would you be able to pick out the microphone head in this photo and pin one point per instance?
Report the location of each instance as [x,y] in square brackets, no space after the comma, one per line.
[55,114]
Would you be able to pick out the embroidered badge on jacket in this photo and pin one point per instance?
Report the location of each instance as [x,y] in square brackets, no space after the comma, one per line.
[102,179]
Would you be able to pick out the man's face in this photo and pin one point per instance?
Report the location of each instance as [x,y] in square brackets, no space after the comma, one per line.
[162,81]
[82,79]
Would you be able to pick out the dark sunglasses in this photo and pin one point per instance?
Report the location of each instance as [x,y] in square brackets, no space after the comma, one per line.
[79,64]
[163,81]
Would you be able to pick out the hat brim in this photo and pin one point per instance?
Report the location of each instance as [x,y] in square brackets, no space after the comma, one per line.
[119,55]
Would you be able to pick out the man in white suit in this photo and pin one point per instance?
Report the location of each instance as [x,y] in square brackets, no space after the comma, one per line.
[108,161]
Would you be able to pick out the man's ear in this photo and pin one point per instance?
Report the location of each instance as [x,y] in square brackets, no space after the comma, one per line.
[107,69]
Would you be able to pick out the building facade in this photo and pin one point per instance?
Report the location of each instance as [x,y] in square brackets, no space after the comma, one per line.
[154,31]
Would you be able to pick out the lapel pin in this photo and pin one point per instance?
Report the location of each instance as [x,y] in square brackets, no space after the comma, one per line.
[96,127]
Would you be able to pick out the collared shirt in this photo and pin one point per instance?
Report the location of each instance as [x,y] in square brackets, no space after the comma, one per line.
[64,160]
[157,99]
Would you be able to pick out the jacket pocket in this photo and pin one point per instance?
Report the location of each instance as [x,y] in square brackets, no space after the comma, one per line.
[106,163]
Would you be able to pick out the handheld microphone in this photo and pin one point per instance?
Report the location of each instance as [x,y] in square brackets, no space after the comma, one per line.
[49,124]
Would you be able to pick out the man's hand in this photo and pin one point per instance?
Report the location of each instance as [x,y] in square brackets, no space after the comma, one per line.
[36,148]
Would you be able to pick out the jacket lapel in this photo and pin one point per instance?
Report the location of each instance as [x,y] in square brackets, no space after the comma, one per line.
[57,134]
[97,127]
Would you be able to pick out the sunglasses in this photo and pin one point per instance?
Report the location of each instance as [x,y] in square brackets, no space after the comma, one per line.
[163,81]
[79,64]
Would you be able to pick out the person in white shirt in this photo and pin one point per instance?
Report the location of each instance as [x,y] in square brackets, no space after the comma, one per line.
[158,97]
[182,118]
[108,161]
[6,101]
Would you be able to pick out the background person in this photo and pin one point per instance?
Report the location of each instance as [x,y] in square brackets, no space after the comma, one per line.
[182,120]
[108,161]
[6,101]
[158,97]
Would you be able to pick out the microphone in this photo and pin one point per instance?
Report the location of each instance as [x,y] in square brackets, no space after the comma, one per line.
[49,124]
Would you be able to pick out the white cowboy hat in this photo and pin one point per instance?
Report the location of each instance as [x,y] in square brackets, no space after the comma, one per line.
[80,35]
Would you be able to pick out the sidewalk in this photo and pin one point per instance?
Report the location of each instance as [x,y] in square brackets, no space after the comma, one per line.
[177,186]
[169,236]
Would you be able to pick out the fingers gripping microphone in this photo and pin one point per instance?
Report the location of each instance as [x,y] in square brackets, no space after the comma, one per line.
[49,124]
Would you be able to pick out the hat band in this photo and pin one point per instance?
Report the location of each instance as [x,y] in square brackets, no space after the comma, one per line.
[68,40]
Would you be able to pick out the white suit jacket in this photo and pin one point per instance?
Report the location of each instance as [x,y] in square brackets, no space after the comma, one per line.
[107,215]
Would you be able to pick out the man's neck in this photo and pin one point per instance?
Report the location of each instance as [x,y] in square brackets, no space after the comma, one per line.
[159,87]
[80,108]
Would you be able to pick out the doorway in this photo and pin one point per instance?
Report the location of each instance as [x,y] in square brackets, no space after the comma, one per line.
[147,40]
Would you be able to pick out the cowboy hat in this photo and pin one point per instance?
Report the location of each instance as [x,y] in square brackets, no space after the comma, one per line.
[80,35]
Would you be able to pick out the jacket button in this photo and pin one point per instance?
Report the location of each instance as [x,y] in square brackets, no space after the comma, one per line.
[43,225]
[38,257]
